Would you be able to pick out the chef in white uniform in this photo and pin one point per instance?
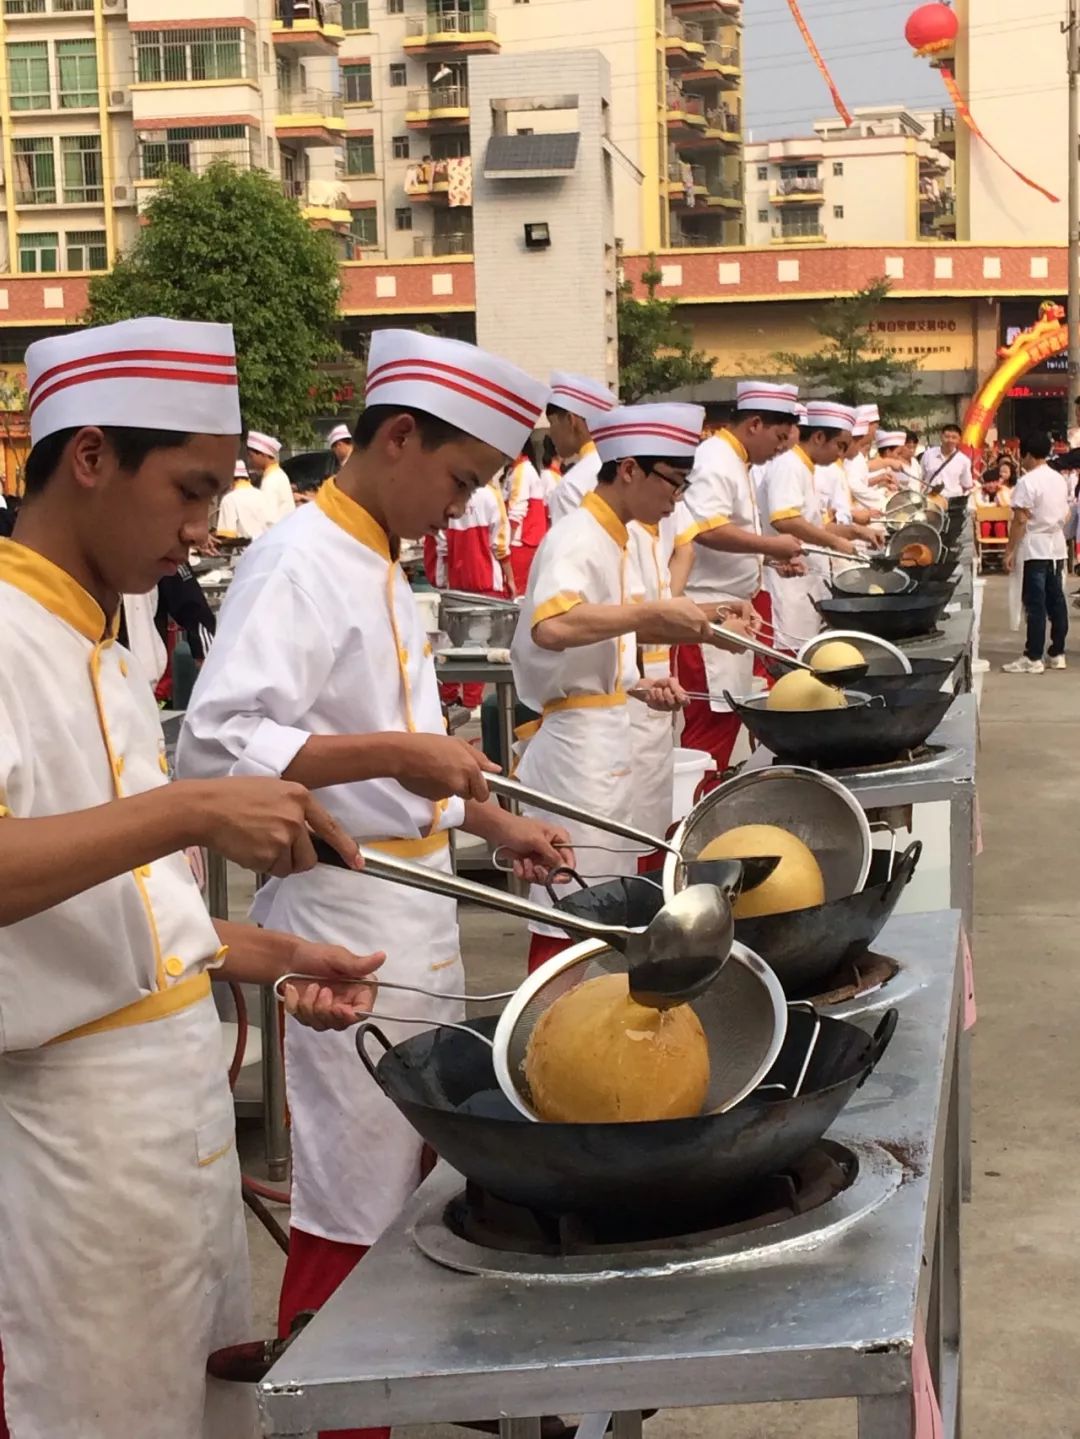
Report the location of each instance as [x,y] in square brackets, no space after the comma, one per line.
[576,404]
[870,491]
[574,653]
[722,523]
[123,1259]
[340,444]
[263,452]
[652,731]
[319,644]
[244,513]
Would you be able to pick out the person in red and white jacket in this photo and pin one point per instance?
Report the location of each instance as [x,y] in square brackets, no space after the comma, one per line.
[477,560]
[526,506]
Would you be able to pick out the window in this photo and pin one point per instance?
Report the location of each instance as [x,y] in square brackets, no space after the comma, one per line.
[357,79]
[80,157]
[399,75]
[838,212]
[763,217]
[359,155]
[401,147]
[86,250]
[354,14]
[195,147]
[76,73]
[838,167]
[449,147]
[28,75]
[215,53]
[24,7]
[364,227]
[763,172]
[403,219]
[798,172]
[35,171]
[39,254]
[71,7]
[395,7]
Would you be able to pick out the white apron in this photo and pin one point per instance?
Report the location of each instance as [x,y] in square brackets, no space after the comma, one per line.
[356,1160]
[795,620]
[123,1253]
[727,671]
[652,736]
[593,745]
[1016,587]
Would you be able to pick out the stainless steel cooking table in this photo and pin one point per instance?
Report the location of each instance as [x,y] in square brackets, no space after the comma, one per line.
[406,1341]
[955,638]
[486,672]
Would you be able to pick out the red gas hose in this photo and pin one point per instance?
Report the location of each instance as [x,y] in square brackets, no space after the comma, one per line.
[254,1188]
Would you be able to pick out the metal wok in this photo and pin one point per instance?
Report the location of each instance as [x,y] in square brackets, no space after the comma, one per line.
[932,574]
[668,1173]
[891,617]
[928,675]
[868,734]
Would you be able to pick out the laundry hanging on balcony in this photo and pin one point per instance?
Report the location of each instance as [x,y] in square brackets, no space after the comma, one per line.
[459,181]
[815,54]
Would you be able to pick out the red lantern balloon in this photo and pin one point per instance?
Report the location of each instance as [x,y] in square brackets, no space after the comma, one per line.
[931,29]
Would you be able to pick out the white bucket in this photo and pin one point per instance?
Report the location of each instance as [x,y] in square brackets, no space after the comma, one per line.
[691,767]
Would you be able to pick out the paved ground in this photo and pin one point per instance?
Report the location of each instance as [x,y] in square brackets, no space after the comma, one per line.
[1022,1232]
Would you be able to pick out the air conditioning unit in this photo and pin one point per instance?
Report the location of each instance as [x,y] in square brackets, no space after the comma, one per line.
[117,97]
[121,192]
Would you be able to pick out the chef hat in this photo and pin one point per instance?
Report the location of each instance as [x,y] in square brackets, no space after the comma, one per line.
[481,394]
[581,396]
[829,415]
[673,431]
[891,439]
[339,432]
[263,444]
[860,428]
[103,376]
[774,399]
[801,415]
[240,471]
[867,414]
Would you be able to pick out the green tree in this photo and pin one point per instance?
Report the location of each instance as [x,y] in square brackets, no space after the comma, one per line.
[228,246]
[656,352]
[852,365]
[13,425]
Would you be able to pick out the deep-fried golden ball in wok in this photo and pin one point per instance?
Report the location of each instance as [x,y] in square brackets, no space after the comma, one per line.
[795,883]
[597,1057]
[800,690]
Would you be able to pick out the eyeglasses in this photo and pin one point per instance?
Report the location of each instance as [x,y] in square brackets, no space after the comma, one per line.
[679,483]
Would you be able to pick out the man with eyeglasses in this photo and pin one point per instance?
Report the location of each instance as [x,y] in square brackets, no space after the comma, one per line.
[585,615]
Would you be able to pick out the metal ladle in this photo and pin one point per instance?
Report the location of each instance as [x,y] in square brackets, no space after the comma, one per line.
[838,678]
[671,961]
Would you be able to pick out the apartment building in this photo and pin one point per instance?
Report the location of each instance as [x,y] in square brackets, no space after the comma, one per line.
[676,114]
[882,180]
[99,96]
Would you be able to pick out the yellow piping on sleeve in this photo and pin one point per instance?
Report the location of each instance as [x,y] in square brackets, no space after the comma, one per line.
[792,514]
[559,604]
[702,527]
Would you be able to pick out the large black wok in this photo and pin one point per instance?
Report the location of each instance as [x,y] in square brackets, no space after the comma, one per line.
[675,1173]
[926,674]
[932,574]
[889,617]
[864,734]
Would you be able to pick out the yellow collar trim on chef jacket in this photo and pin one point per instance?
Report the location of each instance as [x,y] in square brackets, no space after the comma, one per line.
[606,518]
[653,530]
[736,444]
[410,848]
[588,448]
[241,484]
[807,461]
[55,590]
[353,519]
[144,1011]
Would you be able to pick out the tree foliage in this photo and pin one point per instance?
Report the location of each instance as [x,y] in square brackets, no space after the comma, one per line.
[228,246]
[13,426]
[853,365]
[656,352]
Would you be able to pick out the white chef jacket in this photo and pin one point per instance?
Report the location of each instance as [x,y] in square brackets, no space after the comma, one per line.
[721,492]
[952,476]
[649,550]
[833,492]
[244,513]
[1045,495]
[78,728]
[577,481]
[652,732]
[277,493]
[857,475]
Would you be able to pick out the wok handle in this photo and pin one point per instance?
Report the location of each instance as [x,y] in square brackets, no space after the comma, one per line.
[563,875]
[362,1032]
[510,789]
[879,1043]
[909,861]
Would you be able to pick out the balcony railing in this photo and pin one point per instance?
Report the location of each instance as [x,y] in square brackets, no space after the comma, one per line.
[810,230]
[458,22]
[439,97]
[684,103]
[460,242]
[721,54]
[676,28]
[726,119]
[156,156]
[310,102]
[47,7]
[944,127]
[323,12]
[799,185]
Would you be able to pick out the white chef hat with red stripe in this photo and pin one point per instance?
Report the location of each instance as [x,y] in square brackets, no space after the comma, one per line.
[672,432]
[829,415]
[772,399]
[867,415]
[581,396]
[339,432]
[263,444]
[481,394]
[240,471]
[148,374]
[891,439]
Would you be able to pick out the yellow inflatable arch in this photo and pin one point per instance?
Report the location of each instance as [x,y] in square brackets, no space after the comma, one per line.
[1048,336]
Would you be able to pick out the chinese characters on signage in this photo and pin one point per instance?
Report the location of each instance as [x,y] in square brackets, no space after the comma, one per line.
[891,331]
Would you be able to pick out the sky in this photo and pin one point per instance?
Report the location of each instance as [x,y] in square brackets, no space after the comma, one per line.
[862,42]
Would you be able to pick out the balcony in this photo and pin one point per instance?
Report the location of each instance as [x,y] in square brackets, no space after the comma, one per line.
[685,9]
[798,190]
[685,112]
[462,32]
[945,131]
[45,9]
[192,149]
[314,29]
[437,105]
[310,117]
[322,204]
[810,232]
[684,42]
[943,222]
[720,66]
[457,242]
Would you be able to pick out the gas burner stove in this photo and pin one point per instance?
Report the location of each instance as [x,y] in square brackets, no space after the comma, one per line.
[937,633]
[925,757]
[832,1187]
[857,979]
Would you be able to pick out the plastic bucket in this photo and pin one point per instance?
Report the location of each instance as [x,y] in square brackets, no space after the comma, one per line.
[691,767]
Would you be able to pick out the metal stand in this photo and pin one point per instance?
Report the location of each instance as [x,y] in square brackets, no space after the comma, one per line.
[276,1133]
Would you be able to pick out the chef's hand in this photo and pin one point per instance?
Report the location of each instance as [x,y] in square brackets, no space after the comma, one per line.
[868,535]
[264,825]
[681,621]
[736,627]
[666,695]
[782,547]
[536,846]
[728,610]
[843,546]
[437,766]
[1009,562]
[344,999]
[789,571]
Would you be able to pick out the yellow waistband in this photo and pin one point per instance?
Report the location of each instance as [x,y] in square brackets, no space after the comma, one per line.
[410,848]
[650,657]
[586,702]
[144,1011]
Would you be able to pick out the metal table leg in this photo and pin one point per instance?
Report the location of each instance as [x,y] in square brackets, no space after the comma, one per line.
[962,887]
[273,1083]
[886,1416]
[217,885]
[950,1268]
[507,700]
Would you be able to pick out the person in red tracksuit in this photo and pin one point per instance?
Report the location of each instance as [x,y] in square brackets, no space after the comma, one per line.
[478,560]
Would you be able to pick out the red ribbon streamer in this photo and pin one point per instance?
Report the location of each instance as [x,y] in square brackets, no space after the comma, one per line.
[796,14]
[969,120]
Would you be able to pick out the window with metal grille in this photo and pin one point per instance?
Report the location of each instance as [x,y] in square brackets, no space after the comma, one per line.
[195,148]
[449,147]
[359,155]
[24,7]
[838,212]
[763,216]
[71,7]
[86,250]
[39,254]
[35,171]
[80,159]
[28,75]
[356,80]
[76,74]
[395,7]
[838,167]
[401,147]
[399,75]
[355,14]
[763,172]
[364,227]
[403,219]
[216,53]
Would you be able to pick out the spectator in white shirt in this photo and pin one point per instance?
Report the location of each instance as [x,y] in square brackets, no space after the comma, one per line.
[1037,551]
[946,469]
